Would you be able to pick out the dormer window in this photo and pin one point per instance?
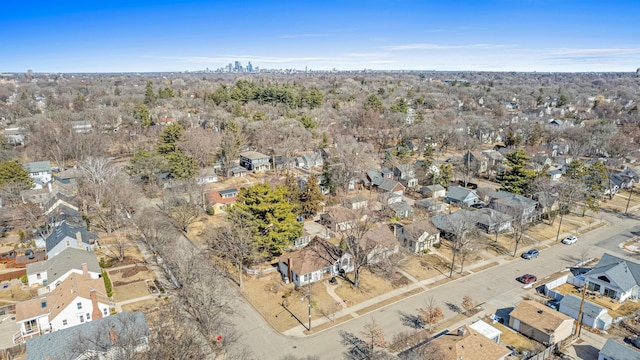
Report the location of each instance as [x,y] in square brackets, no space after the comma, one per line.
[79,306]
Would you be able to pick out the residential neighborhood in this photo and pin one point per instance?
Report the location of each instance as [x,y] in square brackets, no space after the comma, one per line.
[246,221]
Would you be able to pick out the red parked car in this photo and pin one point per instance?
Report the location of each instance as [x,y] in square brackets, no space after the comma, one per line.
[527,279]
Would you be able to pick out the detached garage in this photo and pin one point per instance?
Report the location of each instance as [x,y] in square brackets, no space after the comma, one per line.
[594,316]
[541,323]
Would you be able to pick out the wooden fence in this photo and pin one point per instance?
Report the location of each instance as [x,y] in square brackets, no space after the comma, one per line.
[16,274]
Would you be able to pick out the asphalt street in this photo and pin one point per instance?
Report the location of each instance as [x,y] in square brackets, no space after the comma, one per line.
[495,288]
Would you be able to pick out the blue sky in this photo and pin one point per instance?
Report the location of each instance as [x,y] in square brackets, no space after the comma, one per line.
[166,35]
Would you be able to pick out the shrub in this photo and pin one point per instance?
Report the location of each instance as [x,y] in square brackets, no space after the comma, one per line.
[107,283]
[437,246]
[24,279]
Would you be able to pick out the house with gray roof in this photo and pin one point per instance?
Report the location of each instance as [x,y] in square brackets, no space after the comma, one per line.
[255,161]
[39,172]
[66,235]
[433,191]
[492,221]
[517,206]
[429,205]
[417,236]
[594,316]
[614,277]
[50,273]
[309,161]
[461,196]
[613,350]
[113,337]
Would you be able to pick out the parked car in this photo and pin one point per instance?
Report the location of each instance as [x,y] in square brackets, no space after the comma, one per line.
[30,254]
[527,279]
[569,240]
[533,253]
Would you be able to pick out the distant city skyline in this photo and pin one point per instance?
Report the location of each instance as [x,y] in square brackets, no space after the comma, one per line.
[193,35]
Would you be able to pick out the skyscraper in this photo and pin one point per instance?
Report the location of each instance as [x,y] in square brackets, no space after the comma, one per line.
[238,67]
[249,67]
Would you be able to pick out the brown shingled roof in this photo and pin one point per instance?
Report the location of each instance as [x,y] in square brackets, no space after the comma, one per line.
[76,285]
[317,255]
[469,345]
[539,316]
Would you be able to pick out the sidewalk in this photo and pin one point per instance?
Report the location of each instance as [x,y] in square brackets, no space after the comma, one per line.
[299,331]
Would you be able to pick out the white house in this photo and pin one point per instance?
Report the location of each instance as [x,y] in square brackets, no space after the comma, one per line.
[52,272]
[310,263]
[115,337]
[206,176]
[67,235]
[39,172]
[78,299]
[614,277]
[593,315]
[418,236]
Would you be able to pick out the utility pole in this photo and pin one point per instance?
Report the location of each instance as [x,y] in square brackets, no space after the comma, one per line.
[628,199]
[309,305]
[579,319]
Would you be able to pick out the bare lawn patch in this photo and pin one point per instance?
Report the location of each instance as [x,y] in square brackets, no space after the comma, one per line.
[130,291]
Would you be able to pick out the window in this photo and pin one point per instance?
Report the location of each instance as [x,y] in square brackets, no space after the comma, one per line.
[81,318]
[104,311]
[306,278]
[79,306]
[64,322]
[38,276]
[88,317]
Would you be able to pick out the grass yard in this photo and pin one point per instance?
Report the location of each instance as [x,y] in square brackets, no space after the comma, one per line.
[420,267]
[15,293]
[371,286]
[268,294]
[146,306]
[130,291]
[619,201]
[129,275]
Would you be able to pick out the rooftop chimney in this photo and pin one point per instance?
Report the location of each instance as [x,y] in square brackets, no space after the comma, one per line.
[462,331]
[85,270]
[289,270]
[95,313]
[113,335]
[79,239]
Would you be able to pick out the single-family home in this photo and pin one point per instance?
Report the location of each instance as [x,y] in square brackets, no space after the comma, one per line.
[406,173]
[494,158]
[624,179]
[339,218]
[114,337]
[382,180]
[613,350]
[39,172]
[15,136]
[417,236]
[492,221]
[310,263]
[555,174]
[467,343]
[614,277]
[62,208]
[219,201]
[445,222]
[310,160]
[66,235]
[433,191]
[461,196]
[401,209]
[540,322]
[206,176]
[52,272]
[254,161]
[238,171]
[379,243]
[593,315]
[78,299]
[429,205]
[475,161]
[517,206]
[356,202]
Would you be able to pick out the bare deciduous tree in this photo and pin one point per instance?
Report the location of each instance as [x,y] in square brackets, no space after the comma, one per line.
[431,314]
[234,242]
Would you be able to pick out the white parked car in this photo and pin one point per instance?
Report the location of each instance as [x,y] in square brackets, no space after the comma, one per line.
[569,240]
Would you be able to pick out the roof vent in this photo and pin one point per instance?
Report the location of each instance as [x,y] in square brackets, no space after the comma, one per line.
[540,311]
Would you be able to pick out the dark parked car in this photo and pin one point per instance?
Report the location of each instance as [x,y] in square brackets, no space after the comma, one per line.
[527,279]
[533,253]
[30,254]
